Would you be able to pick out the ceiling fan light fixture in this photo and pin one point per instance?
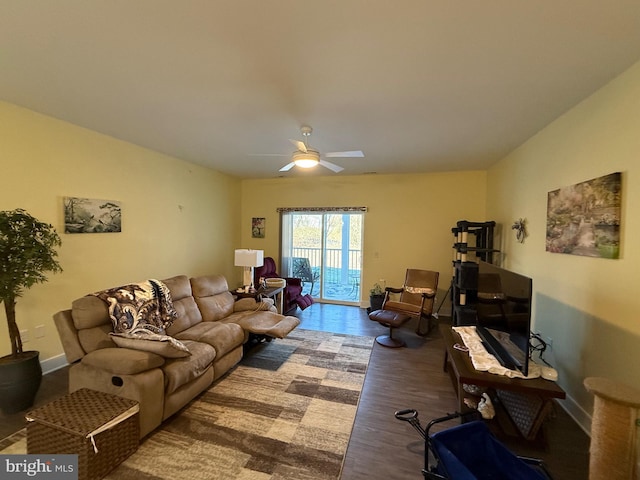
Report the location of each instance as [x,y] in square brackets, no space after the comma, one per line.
[308,159]
[306,162]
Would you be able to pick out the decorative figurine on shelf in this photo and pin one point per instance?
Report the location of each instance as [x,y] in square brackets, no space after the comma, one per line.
[521,229]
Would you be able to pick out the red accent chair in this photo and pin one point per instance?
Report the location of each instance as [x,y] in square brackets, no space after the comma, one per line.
[292,292]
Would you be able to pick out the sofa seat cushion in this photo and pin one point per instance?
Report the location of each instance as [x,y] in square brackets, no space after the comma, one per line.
[180,371]
[122,361]
[264,323]
[223,337]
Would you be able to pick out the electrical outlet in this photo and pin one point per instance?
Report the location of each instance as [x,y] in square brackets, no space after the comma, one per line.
[39,331]
[24,336]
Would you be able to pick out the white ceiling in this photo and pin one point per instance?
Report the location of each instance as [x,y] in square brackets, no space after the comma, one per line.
[417,85]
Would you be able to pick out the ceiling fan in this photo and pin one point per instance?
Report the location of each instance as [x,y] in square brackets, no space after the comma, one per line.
[307,157]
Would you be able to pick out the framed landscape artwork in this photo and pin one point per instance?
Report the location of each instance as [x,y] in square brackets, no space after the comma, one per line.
[584,219]
[86,215]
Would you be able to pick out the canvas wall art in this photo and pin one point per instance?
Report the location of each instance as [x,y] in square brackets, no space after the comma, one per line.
[87,215]
[584,219]
[257,227]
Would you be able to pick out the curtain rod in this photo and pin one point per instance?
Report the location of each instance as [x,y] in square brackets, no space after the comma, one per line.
[320,209]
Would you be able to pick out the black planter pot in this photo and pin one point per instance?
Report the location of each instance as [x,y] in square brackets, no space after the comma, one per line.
[19,381]
[376,302]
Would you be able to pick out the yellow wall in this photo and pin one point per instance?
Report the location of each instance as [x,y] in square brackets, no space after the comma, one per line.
[588,306]
[178,218]
[408,223]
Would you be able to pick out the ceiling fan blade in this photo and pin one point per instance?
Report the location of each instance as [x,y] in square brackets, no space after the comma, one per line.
[287,167]
[299,145]
[331,166]
[348,154]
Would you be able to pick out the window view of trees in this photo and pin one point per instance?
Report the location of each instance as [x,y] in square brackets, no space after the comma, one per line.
[332,243]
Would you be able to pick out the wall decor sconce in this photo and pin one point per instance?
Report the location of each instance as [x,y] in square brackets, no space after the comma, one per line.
[521,229]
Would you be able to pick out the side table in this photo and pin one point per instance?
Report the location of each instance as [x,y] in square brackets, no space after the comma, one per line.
[270,292]
[527,401]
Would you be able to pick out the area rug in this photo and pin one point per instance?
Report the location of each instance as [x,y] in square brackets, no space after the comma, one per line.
[285,412]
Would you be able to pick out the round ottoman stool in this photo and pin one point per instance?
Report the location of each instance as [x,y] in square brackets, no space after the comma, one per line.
[392,320]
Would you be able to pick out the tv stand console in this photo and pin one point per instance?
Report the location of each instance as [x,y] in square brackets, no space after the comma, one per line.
[527,402]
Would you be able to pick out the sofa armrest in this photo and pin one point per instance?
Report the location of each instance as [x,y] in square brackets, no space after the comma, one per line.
[68,336]
[122,361]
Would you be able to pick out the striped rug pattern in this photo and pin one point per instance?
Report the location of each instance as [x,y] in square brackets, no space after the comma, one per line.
[285,412]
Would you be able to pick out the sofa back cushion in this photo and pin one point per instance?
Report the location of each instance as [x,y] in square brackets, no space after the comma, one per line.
[89,311]
[91,315]
[212,296]
[183,302]
[91,318]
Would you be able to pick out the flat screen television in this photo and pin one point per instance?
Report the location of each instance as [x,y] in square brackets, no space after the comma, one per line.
[504,315]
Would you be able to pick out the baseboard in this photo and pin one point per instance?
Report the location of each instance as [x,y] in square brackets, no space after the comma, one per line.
[575,411]
[54,363]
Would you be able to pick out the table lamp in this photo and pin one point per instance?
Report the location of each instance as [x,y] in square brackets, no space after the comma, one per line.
[248,259]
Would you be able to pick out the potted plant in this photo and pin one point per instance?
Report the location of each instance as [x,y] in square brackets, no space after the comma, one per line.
[27,252]
[376,297]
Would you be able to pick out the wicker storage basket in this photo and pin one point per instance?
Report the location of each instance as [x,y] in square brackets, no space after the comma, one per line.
[527,411]
[101,429]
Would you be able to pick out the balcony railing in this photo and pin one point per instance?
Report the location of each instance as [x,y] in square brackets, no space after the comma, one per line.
[341,272]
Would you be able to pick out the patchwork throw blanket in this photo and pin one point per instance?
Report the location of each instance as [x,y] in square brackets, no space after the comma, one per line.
[140,308]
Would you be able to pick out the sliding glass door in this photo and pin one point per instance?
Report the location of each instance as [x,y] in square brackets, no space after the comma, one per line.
[324,249]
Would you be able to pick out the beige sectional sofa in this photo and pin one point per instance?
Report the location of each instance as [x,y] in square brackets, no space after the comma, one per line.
[210,323]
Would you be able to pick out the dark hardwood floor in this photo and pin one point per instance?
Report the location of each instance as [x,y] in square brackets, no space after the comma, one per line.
[382,447]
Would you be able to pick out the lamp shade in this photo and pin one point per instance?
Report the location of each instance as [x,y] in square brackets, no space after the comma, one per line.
[249,258]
